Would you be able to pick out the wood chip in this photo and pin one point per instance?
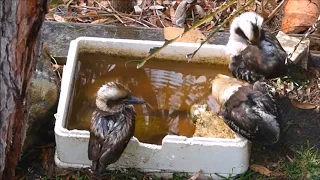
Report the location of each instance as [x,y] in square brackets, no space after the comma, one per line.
[196,175]
[260,169]
[58,18]
[99,21]
[302,105]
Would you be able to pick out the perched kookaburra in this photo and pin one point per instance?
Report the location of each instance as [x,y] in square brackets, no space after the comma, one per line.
[255,53]
[112,125]
[248,109]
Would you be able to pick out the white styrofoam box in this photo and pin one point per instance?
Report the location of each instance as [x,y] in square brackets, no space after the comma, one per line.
[177,153]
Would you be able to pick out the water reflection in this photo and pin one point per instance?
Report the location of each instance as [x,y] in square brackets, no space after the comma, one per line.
[169,87]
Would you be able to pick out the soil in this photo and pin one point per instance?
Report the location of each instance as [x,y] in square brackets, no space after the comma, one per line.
[300,85]
[208,124]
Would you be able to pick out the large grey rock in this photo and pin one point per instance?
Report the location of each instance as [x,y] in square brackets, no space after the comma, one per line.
[301,55]
[43,98]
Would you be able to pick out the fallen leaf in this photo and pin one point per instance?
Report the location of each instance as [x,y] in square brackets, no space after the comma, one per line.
[260,169]
[137,9]
[196,175]
[80,20]
[172,13]
[157,7]
[99,21]
[90,3]
[58,18]
[194,36]
[198,10]
[104,3]
[302,105]
[92,13]
[49,17]
[251,7]
[273,3]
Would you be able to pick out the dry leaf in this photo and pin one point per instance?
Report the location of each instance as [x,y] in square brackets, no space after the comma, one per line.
[252,7]
[180,14]
[273,3]
[49,17]
[196,175]
[58,18]
[260,169]
[92,13]
[302,105]
[99,21]
[153,20]
[80,20]
[198,9]
[206,2]
[157,7]
[194,36]
[90,3]
[171,13]
[104,3]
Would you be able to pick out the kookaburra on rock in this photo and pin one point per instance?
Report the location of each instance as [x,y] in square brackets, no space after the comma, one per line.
[248,109]
[255,53]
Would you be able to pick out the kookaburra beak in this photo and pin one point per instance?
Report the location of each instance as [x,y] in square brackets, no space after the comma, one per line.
[134,100]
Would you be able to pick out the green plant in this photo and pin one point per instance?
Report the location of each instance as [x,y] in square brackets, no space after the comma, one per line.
[306,164]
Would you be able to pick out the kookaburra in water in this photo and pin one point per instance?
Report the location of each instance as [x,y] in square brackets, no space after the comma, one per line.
[255,53]
[112,125]
[248,109]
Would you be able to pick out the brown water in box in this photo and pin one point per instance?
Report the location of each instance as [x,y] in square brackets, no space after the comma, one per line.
[170,88]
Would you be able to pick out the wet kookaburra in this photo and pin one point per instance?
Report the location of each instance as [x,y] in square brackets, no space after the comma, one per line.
[248,109]
[112,125]
[255,53]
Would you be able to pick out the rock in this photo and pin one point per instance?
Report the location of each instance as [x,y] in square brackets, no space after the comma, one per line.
[302,52]
[299,15]
[43,98]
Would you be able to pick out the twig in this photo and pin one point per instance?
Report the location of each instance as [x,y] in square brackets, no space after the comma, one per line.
[143,3]
[191,55]
[160,19]
[150,24]
[309,31]
[196,175]
[137,22]
[291,160]
[116,16]
[283,3]
[55,66]
[88,7]
[154,51]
